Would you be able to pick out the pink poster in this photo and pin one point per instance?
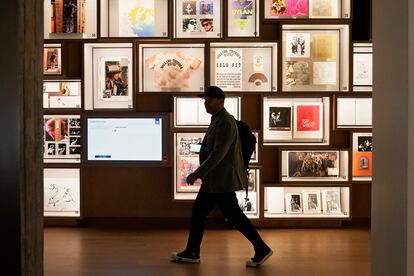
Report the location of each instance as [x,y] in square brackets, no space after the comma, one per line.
[308,118]
[289,8]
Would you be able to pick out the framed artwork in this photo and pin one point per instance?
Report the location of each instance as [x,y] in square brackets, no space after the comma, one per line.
[331,201]
[189,112]
[62,138]
[61,192]
[108,76]
[244,66]
[354,112]
[186,161]
[311,60]
[171,67]
[70,19]
[363,67]
[249,203]
[134,18]
[362,156]
[62,94]
[52,59]
[310,164]
[293,202]
[312,9]
[243,18]
[296,120]
[197,18]
[312,202]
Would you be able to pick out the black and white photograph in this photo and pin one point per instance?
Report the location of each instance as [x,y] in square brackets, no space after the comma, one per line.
[251,183]
[297,73]
[280,118]
[189,7]
[74,122]
[365,143]
[190,25]
[74,150]
[312,202]
[293,202]
[74,141]
[61,149]
[332,201]
[51,149]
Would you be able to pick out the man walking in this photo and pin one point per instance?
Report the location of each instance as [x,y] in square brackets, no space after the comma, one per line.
[222,172]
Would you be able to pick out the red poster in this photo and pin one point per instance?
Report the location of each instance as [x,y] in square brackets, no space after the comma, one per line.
[308,118]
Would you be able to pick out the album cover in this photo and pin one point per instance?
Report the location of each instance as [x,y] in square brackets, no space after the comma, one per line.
[293,202]
[52,61]
[289,8]
[297,45]
[114,84]
[331,201]
[324,73]
[136,18]
[308,117]
[190,7]
[364,143]
[280,118]
[325,46]
[167,68]
[363,68]
[324,9]
[206,7]
[243,13]
[362,163]
[297,73]
[313,164]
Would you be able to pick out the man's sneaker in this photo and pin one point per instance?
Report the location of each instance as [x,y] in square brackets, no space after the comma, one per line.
[186,257]
[259,258]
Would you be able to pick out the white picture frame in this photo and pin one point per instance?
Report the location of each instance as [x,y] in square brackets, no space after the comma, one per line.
[62,94]
[61,192]
[312,202]
[331,201]
[62,138]
[293,203]
[244,67]
[167,68]
[52,59]
[354,112]
[251,205]
[102,62]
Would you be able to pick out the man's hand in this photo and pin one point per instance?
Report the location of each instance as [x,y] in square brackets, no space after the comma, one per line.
[191,179]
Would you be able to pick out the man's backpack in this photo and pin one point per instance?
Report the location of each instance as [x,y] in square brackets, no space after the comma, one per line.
[248,142]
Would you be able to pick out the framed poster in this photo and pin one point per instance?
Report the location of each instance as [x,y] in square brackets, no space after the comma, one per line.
[197,18]
[70,19]
[331,201]
[171,67]
[310,164]
[62,138]
[362,156]
[249,203]
[312,202]
[108,76]
[52,59]
[189,112]
[244,66]
[134,18]
[311,60]
[243,18]
[293,202]
[61,192]
[296,120]
[187,149]
[62,94]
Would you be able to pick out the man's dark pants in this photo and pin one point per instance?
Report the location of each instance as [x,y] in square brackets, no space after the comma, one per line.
[227,203]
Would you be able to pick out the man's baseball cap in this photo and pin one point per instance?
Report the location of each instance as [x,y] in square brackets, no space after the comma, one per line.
[213,92]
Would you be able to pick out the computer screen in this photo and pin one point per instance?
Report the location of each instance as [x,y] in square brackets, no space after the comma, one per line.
[124,139]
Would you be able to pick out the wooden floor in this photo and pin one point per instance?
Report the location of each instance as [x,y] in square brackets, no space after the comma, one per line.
[94,251]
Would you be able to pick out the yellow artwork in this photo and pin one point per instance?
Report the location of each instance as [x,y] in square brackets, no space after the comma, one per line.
[325,46]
